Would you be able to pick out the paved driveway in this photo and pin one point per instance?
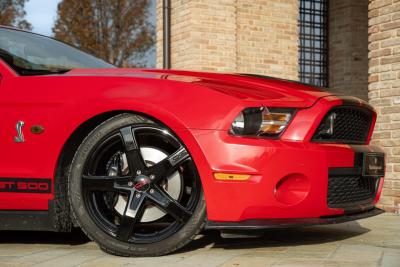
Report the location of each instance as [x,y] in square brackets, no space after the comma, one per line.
[369,242]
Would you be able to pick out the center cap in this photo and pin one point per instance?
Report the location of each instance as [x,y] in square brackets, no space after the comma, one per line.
[141,183]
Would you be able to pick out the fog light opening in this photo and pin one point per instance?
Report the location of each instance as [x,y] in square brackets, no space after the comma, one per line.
[292,189]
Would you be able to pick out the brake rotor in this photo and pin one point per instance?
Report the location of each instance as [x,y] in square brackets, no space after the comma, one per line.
[172,184]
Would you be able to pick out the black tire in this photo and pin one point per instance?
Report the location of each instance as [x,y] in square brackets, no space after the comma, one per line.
[89,206]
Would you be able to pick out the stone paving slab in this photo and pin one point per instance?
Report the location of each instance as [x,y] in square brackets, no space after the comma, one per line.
[370,242]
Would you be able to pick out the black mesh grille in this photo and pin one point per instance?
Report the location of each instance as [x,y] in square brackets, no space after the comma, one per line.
[356,189]
[350,125]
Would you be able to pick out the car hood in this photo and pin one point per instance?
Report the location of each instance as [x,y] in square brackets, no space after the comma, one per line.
[264,90]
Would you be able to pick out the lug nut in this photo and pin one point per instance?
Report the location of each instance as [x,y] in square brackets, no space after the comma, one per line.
[138,172]
[152,177]
[130,183]
[138,196]
[151,191]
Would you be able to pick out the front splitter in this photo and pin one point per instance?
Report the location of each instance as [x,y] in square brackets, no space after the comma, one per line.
[260,224]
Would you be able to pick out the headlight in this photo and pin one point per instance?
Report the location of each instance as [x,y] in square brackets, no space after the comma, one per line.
[261,121]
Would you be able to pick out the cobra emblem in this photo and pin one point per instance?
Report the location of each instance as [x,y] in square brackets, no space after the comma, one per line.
[20,135]
[332,119]
[329,125]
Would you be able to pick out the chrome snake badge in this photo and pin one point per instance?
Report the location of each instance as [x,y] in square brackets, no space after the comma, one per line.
[20,138]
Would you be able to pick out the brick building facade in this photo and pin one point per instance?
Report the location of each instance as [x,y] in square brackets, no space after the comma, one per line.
[384,89]
[233,36]
[353,47]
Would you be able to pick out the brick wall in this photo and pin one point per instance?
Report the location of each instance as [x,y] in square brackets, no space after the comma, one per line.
[257,36]
[267,37]
[203,35]
[348,47]
[384,90]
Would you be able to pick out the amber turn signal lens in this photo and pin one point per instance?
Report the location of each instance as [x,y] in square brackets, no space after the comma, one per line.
[275,117]
[271,129]
[231,176]
[274,122]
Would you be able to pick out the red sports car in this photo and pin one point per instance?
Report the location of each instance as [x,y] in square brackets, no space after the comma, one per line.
[143,160]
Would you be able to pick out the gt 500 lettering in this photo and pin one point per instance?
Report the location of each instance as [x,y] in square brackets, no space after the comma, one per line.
[23,185]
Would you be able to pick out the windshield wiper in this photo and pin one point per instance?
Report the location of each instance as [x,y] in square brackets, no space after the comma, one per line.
[27,72]
[57,71]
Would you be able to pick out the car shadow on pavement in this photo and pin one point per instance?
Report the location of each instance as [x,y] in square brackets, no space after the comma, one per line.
[281,237]
[211,239]
[76,237]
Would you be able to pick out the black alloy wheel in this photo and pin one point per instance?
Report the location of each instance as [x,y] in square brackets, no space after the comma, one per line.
[135,189]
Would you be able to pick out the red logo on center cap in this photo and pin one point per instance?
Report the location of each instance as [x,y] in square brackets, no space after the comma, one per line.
[141,183]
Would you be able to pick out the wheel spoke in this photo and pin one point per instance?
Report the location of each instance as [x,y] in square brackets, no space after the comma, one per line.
[164,201]
[132,150]
[132,215]
[166,167]
[103,183]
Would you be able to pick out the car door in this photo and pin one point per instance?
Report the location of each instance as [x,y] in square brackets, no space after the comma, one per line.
[22,185]
[37,112]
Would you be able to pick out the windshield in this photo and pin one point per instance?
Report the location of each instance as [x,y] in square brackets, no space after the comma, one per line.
[32,54]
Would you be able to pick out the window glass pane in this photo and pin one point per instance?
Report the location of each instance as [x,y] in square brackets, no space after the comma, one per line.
[313,22]
[150,56]
[32,54]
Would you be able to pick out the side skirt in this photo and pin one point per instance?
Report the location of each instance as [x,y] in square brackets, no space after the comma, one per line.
[26,221]
[50,220]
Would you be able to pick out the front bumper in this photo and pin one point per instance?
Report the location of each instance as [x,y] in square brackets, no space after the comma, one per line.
[289,177]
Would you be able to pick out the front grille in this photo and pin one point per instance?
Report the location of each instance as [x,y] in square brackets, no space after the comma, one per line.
[345,124]
[351,189]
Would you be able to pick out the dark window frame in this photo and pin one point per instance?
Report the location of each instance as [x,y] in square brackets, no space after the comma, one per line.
[313,44]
